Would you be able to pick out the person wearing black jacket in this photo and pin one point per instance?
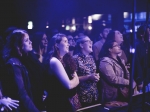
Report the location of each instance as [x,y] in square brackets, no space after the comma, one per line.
[15,81]
[141,56]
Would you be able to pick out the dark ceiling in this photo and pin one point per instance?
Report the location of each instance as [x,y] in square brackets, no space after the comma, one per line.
[17,12]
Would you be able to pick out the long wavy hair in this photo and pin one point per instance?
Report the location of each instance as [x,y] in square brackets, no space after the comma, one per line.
[14,44]
[67,61]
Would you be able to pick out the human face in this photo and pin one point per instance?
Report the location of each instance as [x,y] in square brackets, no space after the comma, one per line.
[63,46]
[118,37]
[115,48]
[71,41]
[44,41]
[105,32]
[27,44]
[86,45]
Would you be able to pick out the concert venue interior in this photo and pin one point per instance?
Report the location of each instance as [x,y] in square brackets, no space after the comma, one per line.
[74,17]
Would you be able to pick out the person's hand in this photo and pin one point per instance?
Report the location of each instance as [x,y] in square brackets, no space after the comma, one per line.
[9,103]
[134,84]
[74,74]
[98,76]
[95,77]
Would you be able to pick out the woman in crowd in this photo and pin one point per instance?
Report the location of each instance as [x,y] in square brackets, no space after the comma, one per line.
[118,37]
[15,81]
[35,67]
[114,75]
[40,44]
[72,44]
[86,70]
[62,77]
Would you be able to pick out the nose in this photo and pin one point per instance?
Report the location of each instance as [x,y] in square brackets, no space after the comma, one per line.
[30,42]
[46,40]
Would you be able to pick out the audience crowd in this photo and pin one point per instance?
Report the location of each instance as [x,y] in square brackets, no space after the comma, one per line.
[64,73]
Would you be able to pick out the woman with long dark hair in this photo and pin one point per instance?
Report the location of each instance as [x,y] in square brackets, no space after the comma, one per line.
[15,80]
[114,75]
[62,77]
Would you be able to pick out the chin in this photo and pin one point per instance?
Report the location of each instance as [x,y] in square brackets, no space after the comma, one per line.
[31,49]
[45,45]
[67,51]
[91,51]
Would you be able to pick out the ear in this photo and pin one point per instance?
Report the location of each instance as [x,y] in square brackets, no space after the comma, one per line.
[19,51]
[56,45]
[81,45]
[110,50]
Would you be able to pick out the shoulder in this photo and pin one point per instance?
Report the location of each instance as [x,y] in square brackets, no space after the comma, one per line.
[97,43]
[107,59]
[14,61]
[54,61]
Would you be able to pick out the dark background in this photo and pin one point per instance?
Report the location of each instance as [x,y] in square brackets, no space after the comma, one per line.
[19,12]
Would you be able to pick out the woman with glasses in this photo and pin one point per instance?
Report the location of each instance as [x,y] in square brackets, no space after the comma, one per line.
[86,70]
[115,35]
[114,75]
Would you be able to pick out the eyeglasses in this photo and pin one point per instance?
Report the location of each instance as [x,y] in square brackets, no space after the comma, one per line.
[116,46]
[89,41]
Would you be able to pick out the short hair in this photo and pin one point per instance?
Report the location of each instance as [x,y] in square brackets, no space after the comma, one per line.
[102,28]
[78,42]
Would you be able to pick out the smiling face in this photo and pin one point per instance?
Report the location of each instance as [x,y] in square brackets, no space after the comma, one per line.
[118,37]
[27,44]
[63,46]
[44,41]
[86,45]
